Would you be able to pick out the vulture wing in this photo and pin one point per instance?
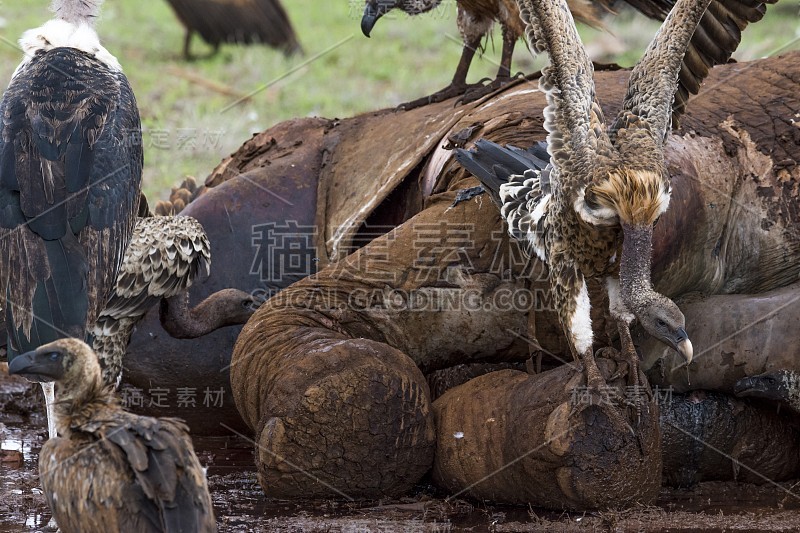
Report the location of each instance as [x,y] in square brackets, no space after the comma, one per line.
[70,172]
[717,36]
[573,118]
[169,484]
[238,21]
[164,257]
[140,475]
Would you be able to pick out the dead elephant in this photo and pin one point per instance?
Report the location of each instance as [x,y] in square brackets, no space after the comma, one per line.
[440,289]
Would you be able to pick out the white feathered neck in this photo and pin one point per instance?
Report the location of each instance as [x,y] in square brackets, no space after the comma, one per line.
[58,33]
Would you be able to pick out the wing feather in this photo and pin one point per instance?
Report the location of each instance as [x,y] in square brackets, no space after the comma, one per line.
[573,119]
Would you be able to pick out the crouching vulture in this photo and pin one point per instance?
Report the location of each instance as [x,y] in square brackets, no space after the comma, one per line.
[70,179]
[166,255]
[716,38]
[236,21]
[111,470]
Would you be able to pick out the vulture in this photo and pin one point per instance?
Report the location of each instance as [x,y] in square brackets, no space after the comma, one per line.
[236,21]
[70,179]
[111,470]
[165,256]
[590,213]
[716,38]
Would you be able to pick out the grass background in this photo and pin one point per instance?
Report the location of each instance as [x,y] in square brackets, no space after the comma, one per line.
[188,125]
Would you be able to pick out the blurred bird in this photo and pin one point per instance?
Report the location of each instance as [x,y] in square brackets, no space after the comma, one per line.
[715,39]
[70,177]
[111,470]
[236,21]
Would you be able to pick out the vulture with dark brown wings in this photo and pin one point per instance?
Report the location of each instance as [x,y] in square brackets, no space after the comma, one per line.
[111,470]
[236,21]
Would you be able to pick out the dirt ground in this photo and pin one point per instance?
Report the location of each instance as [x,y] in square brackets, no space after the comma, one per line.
[240,505]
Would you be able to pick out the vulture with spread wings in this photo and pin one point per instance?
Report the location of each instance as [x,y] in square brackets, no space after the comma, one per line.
[590,212]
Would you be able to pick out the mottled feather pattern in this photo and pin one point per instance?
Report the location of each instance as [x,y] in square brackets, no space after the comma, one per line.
[572,118]
[164,258]
[650,95]
[110,470]
[524,209]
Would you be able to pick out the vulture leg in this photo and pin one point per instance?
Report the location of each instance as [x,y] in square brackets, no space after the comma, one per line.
[458,85]
[503,73]
[48,387]
[187,41]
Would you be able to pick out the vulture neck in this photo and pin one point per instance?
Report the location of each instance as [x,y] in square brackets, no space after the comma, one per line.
[183,322]
[76,406]
[77,11]
[634,268]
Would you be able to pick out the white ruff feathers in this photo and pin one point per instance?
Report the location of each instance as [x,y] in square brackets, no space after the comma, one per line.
[62,34]
[580,326]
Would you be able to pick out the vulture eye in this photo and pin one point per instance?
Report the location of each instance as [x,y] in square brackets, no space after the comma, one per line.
[660,323]
[53,356]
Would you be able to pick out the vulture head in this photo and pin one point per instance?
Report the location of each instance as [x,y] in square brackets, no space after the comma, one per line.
[71,363]
[780,385]
[375,9]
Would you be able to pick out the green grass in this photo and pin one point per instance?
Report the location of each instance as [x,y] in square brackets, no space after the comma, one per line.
[188,127]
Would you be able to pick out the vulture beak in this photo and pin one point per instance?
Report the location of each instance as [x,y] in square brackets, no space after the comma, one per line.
[747,386]
[763,386]
[684,346]
[372,12]
[37,366]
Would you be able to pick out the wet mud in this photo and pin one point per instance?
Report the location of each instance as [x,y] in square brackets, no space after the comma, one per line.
[241,506]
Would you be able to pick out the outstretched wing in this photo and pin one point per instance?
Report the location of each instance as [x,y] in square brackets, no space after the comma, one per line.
[717,36]
[164,257]
[573,119]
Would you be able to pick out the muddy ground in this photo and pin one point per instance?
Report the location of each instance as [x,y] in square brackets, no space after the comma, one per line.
[240,505]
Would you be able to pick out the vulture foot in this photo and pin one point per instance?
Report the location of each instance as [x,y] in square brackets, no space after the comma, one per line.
[451,91]
[480,90]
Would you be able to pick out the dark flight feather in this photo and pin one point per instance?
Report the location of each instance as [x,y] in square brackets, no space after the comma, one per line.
[68,192]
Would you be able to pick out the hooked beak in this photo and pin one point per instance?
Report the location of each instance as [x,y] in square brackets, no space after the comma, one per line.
[684,346]
[36,367]
[371,15]
[747,386]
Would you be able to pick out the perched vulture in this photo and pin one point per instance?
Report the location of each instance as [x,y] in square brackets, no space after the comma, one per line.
[236,21]
[590,213]
[110,470]
[716,38]
[165,256]
[70,179]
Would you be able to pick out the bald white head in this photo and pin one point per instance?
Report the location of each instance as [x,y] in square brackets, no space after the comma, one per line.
[77,11]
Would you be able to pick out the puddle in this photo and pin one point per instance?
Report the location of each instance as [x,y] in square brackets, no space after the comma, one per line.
[240,505]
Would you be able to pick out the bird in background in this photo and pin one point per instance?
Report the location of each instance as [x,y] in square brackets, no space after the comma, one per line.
[236,21]
[715,39]
[590,212]
[111,470]
[70,179]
